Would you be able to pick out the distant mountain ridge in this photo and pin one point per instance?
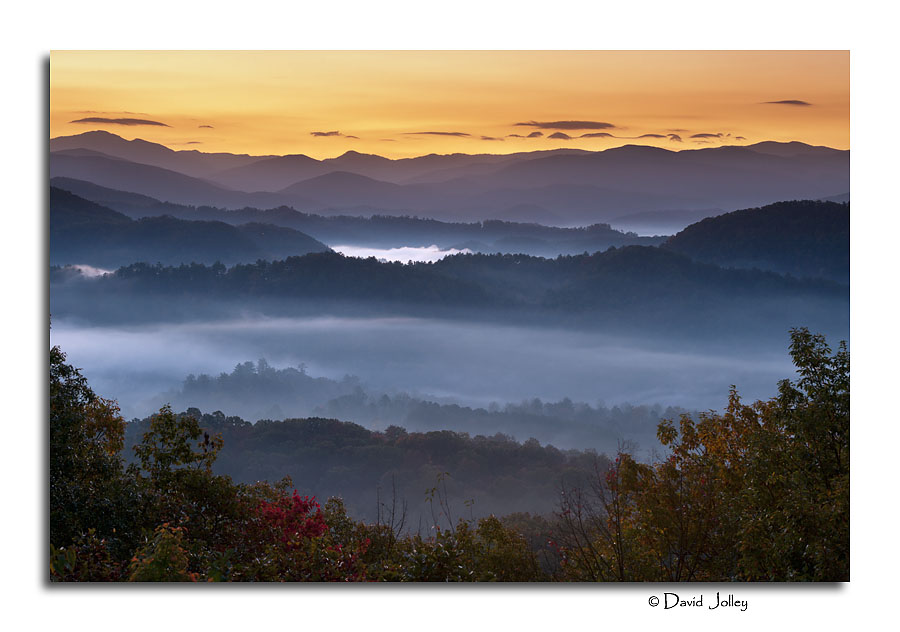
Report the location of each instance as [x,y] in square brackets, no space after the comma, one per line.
[579,187]
[158,182]
[379,231]
[189,162]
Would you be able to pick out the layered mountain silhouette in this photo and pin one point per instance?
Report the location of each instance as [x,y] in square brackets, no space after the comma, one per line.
[164,184]
[381,231]
[83,232]
[574,186]
[189,162]
[274,174]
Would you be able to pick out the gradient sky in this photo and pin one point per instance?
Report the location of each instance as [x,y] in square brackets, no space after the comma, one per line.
[408,103]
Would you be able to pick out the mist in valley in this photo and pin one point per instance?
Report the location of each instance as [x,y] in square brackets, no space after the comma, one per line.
[447,362]
[402,254]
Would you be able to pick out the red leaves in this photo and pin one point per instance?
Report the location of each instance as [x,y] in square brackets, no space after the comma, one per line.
[294,519]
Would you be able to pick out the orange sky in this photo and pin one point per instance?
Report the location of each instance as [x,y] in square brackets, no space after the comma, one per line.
[272,102]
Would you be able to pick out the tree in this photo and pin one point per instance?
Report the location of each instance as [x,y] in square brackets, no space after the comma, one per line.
[798,470]
[89,488]
[759,492]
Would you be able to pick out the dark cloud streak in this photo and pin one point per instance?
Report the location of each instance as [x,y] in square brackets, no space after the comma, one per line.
[333,133]
[439,133]
[118,121]
[569,125]
[672,137]
[794,102]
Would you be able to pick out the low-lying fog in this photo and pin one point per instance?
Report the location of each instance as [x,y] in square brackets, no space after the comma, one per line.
[439,360]
[91,271]
[402,254]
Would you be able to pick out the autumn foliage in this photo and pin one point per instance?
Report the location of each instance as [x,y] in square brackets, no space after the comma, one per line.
[759,492]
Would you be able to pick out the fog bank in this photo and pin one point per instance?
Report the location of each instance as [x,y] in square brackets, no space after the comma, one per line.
[438,360]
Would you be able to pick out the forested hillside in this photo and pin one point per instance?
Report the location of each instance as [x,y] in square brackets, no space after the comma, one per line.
[479,475]
[628,289]
[802,238]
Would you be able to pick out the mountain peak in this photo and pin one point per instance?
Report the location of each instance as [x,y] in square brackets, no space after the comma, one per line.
[293,158]
[790,148]
[353,155]
[109,143]
[95,132]
[631,148]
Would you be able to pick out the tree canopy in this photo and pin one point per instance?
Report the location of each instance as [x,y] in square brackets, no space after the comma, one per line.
[760,492]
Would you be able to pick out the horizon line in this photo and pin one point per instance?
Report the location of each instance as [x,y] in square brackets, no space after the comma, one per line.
[460,153]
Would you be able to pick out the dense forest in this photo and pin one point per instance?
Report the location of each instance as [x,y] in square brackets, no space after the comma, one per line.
[758,492]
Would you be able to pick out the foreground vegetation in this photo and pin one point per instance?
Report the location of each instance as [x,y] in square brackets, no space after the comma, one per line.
[760,492]
[478,475]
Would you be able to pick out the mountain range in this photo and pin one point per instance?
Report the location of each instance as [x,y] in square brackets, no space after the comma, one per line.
[377,231]
[564,187]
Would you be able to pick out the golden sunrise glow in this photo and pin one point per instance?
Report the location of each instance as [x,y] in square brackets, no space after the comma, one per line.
[274,102]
